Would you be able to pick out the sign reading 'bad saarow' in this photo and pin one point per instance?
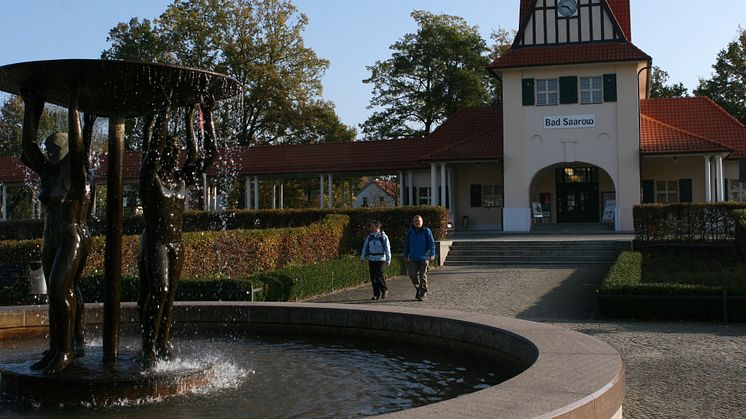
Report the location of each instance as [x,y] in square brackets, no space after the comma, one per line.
[569,121]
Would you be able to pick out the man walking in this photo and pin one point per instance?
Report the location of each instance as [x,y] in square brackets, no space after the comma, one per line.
[419,248]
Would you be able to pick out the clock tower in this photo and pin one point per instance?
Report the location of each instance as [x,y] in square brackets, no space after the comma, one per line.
[572,84]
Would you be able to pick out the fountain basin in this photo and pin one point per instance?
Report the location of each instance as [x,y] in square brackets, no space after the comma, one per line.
[564,373]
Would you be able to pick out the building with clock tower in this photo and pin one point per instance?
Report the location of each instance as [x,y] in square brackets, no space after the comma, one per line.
[572,85]
[576,144]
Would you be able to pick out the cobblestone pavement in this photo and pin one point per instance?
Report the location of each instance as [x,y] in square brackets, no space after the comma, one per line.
[674,370]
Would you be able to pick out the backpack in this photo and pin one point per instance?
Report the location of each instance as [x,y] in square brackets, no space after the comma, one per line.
[383,244]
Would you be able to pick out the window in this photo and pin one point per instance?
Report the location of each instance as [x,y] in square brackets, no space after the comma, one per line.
[492,195]
[666,191]
[423,195]
[365,201]
[591,90]
[547,92]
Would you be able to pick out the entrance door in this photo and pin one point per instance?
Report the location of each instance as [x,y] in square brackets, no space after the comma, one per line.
[577,195]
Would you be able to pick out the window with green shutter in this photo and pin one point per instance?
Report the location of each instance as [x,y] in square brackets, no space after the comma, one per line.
[568,89]
[609,87]
[528,92]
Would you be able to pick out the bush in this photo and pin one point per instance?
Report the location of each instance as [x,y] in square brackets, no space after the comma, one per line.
[212,254]
[653,284]
[686,222]
[296,283]
[395,222]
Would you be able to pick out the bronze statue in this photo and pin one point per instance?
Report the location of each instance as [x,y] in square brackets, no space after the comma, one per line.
[66,194]
[163,190]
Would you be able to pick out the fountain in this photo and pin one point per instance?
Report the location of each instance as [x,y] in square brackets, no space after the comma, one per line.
[549,372]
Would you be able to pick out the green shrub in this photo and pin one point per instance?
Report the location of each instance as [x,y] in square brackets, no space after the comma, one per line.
[675,283]
[296,283]
[686,222]
[395,222]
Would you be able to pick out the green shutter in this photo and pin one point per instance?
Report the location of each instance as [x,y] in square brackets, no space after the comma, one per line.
[609,87]
[475,195]
[528,92]
[568,89]
[685,190]
[648,192]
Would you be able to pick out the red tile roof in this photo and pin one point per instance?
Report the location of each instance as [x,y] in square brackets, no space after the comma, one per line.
[699,116]
[13,171]
[660,138]
[558,54]
[620,9]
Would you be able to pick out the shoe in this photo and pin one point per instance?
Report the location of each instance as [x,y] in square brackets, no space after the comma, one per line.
[384,295]
[375,297]
[423,296]
[417,296]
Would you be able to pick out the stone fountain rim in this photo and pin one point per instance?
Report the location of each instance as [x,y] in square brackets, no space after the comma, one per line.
[572,375]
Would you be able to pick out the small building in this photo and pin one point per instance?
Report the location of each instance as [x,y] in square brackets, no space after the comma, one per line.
[377,193]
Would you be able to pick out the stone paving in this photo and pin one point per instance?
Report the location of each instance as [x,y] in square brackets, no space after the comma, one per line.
[674,370]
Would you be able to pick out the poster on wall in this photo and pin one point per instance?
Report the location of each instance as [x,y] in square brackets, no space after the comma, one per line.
[609,207]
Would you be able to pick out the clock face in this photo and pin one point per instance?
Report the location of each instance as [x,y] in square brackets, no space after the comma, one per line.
[567,8]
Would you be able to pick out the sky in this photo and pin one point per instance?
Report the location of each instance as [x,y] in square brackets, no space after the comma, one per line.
[682,36]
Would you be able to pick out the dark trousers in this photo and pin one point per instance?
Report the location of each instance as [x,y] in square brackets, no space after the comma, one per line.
[377,278]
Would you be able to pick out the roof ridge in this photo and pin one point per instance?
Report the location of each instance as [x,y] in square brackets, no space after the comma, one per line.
[698,98]
[689,133]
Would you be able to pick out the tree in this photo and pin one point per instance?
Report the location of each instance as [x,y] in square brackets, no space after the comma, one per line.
[659,87]
[259,43]
[431,74]
[53,119]
[727,87]
[501,42]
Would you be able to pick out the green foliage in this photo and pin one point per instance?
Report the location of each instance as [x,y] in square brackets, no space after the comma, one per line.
[296,283]
[675,282]
[432,74]
[395,222]
[53,119]
[260,44]
[727,86]
[501,42]
[659,87]
[686,222]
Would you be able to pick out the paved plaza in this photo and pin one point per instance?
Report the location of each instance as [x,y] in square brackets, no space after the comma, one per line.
[674,370]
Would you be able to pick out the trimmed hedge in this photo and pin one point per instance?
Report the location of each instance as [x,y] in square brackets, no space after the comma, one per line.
[286,284]
[686,222]
[395,221]
[633,289]
[213,254]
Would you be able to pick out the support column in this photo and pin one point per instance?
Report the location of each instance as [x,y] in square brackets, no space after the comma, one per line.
[321,191]
[434,184]
[256,192]
[451,206]
[274,194]
[247,193]
[708,179]
[719,181]
[113,253]
[282,195]
[443,184]
[331,191]
[352,193]
[401,189]
[205,193]
[410,186]
[5,201]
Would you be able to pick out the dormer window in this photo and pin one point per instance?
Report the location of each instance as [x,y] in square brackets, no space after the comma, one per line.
[591,90]
[547,92]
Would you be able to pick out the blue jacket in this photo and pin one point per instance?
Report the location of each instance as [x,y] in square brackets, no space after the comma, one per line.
[419,244]
[376,248]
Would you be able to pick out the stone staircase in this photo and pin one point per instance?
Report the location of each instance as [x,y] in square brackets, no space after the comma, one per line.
[540,253]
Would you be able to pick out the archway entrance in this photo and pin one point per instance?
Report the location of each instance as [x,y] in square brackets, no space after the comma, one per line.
[573,194]
[577,194]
